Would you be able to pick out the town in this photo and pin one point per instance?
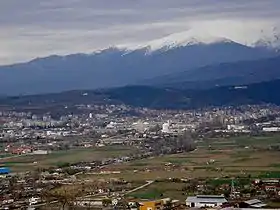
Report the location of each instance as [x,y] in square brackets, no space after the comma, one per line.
[92,156]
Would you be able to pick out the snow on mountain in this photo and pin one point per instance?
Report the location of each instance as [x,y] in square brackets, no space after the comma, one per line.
[269,40]
[182,39]
[268,37]
[122,65]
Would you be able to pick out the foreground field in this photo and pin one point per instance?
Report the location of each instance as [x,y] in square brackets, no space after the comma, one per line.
[216,160]
[213,158]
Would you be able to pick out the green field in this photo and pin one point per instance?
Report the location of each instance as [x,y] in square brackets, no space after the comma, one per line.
[31,162]
[161,190]
[231,157]
[225,157]
[4,155]
[244,156]
[241,141]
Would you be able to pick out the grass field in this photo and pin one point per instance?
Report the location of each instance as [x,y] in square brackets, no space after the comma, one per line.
[161,190]
[238,156]
[4,155]
[241,141]
[30,162]
[195,165]
[227,157]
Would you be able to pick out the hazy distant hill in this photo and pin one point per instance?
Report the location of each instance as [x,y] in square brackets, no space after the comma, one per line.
[265,92]
[152,97]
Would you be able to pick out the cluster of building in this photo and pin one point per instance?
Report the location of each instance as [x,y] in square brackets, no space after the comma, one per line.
[104,120]
[28,189]
[83,126]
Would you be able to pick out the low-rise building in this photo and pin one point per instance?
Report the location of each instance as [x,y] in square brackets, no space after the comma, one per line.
[253,203]
[40,152]
[201,201]
[151,205]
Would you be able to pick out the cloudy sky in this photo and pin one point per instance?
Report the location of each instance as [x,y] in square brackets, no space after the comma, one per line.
[36,28]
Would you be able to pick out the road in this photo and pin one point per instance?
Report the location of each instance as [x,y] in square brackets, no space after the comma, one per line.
[139,188]
[99,194]
[88,196]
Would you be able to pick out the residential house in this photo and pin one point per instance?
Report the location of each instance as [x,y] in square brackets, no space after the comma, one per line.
[253,203]
[151,205]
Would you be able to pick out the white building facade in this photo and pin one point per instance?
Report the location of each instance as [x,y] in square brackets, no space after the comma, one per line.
[201,201]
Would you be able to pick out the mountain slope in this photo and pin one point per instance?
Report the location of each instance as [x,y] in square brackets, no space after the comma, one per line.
[151,97]
[117,67]
[264,92]
[238,73]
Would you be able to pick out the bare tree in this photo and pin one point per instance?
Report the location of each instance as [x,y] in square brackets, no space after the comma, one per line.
[186,142]
[65,196]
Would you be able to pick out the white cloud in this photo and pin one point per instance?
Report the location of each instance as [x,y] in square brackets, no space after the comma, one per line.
[35,28]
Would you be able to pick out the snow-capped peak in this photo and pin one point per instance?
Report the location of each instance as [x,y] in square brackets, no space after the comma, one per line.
[268,37]
[180,40]
[269,40]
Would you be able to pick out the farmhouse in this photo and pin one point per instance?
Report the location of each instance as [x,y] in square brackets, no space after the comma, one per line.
[200,201]
[254,203]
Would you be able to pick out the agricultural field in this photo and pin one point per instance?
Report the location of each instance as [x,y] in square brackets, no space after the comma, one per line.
[241,141]
[221,157]
[225,159]
[160,190]
[31,162]
[217,157]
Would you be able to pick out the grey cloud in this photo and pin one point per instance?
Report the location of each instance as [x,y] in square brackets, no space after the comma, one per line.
[122,11]
[66,26]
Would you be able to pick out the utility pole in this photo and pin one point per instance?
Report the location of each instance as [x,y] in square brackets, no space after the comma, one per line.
[232,190]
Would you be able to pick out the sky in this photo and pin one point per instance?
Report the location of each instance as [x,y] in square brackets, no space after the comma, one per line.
[38,28]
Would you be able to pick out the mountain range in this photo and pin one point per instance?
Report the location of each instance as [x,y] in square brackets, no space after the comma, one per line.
[257,93]
[224,74]
[195,60]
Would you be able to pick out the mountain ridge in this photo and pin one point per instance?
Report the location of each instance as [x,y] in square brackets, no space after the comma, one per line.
[223,74]
[114,66]
[158,98]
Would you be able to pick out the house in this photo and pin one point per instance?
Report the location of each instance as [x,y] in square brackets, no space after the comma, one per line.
[89,202]
[253,203]
[40,152]
[200,201]
[151,205]
[33,201]
[134,205]
[232,208]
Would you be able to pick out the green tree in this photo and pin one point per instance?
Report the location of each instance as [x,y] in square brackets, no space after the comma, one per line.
[106,202]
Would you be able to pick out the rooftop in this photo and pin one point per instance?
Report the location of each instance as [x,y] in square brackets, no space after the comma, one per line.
[255,203]
[206,199]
